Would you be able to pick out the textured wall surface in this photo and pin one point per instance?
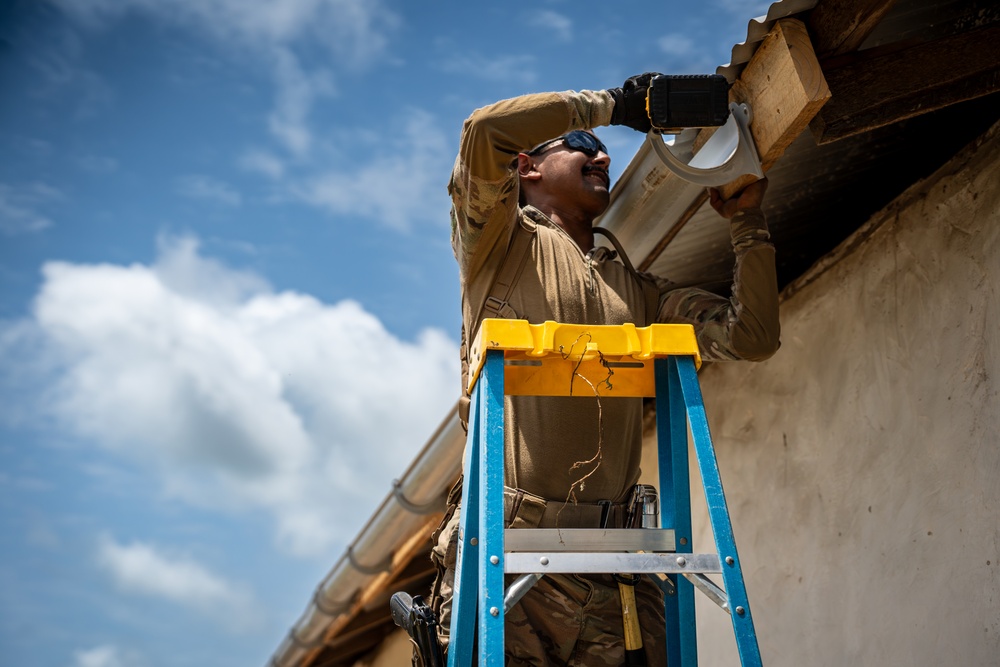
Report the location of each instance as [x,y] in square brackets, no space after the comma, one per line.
[394,651]
[862,462]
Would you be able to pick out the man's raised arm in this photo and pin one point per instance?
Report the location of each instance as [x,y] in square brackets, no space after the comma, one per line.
[746,326]
[484,184]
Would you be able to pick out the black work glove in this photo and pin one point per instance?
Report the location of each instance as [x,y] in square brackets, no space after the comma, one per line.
[630,103]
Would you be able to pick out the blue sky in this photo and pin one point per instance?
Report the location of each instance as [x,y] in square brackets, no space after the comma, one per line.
[229,315]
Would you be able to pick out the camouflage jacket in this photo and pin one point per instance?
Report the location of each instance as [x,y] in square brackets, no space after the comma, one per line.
[568,448]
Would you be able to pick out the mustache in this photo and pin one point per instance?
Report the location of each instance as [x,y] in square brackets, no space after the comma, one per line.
[591,169]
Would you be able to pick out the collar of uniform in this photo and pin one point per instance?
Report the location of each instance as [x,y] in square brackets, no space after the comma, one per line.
[537,216]
[598,254]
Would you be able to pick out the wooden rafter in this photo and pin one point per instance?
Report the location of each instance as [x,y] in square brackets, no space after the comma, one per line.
[840,26]
[785,87]
[879,87]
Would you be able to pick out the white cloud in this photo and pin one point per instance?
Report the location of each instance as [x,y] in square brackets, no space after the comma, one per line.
[80,92]
[199,186]
[108,655]
[141,569]
[184,272]
[97,164]
[355,32]
[19,206]
[262,162]
[32,146]
[513,68]
[742,10]
[237,397]
[402,178]
[41,535]
[556,24]
[297,90]
[354,29]
[99,656]
[676,44]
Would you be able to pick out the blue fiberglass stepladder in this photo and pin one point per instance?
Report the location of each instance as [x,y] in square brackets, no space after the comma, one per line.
[516,358]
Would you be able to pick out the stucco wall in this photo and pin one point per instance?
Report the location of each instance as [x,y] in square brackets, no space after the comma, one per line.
[395,650]
[862,462]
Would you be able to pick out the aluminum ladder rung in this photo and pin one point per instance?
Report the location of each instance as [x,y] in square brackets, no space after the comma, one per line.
[596,563]
[588,539]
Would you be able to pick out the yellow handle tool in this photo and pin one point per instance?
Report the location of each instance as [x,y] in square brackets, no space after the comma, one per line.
[634,655]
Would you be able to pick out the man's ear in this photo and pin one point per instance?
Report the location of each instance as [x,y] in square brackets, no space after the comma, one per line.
[526,168]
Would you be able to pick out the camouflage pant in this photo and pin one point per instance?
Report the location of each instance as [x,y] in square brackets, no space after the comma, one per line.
[571,620]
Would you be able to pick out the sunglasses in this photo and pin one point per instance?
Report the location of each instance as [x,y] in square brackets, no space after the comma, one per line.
[577,140]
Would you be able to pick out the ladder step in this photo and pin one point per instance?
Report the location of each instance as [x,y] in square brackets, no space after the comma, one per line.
[589,539]
[554,562]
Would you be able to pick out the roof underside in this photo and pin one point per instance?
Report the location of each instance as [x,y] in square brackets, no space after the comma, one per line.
[819,194]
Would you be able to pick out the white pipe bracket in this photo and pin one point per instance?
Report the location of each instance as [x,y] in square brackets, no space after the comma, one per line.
[726,156]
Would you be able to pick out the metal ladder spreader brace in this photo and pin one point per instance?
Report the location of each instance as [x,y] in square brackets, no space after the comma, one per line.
[517,358]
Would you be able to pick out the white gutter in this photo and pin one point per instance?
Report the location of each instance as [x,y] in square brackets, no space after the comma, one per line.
[420,490]
[641,208]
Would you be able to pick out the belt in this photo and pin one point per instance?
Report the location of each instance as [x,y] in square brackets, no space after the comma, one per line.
[526,510]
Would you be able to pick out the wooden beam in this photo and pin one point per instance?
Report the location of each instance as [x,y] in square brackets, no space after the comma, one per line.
[840,26]
[875,88]
[784,85]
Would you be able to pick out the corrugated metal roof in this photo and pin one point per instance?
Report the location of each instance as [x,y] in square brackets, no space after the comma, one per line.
[757,29]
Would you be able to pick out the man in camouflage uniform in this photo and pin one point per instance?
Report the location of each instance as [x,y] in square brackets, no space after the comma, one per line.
[566,457]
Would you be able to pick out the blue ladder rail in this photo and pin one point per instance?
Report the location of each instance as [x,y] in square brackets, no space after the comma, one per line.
[479,577]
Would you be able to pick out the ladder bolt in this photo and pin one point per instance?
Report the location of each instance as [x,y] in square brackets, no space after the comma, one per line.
[682,561]
[683,541]
[544,560]
[494,559]
[473,541]
[496,612]
[729,560]
[740,611]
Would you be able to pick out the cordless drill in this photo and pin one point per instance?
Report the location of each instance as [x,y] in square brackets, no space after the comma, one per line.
[677,101]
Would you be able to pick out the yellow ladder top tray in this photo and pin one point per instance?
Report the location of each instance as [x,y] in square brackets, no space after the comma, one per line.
[555,359]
